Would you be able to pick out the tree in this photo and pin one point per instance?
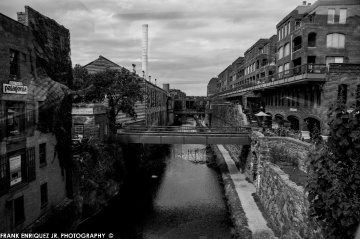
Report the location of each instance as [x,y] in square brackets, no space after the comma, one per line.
[121,88]
[80,75]
[334,182]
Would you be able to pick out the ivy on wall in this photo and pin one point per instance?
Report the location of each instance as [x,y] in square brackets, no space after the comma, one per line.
[51,50]
[334,183]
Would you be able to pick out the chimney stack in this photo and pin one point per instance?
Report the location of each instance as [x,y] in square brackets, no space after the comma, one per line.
[145,50]
[166,87]
[304,3]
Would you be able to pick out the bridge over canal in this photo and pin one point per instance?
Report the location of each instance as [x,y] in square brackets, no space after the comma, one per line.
[184,135]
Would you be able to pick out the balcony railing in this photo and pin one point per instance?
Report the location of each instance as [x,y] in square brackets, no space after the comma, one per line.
[297,70]
[297,47]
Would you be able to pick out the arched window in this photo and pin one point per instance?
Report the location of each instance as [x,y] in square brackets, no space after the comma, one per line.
[281,52]
[335,40]
[312,39]
[297,43]
[286,49]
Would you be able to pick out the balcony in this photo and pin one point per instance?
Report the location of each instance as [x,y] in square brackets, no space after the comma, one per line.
[302,73]
[297,47]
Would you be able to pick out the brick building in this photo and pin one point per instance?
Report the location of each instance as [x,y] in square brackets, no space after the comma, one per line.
[212,86]
[89,120]
[309,39]
[32,180]
[151,111]
[177,94]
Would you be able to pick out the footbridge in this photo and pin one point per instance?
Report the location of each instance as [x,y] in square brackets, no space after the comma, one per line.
[184,135]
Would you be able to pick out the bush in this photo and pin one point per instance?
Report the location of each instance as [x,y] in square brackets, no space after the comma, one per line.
[280,154]
[334,183]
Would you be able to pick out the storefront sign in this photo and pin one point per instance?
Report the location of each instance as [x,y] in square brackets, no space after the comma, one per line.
[15,170]
[15,89]
[82,111]
[293,109]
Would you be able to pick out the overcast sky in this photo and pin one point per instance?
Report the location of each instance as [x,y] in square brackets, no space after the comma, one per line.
[190,41]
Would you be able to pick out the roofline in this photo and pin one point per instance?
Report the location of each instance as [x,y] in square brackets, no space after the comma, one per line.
[105,59]
[257,42]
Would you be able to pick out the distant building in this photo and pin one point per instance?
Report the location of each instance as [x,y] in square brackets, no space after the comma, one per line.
[32,179]
[151,111]
[212,86]
[89,121]
[177,94]
[295,82]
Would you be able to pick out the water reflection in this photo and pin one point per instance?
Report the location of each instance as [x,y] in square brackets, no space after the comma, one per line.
[186,201]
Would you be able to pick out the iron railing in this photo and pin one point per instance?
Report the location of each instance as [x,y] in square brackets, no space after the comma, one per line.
[297,70]
[297,47]
[173,130]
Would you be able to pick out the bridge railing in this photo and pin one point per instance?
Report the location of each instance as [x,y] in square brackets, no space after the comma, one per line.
[184,129]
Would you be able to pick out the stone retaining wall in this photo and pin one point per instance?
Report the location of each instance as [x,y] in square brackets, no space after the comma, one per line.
[286,203]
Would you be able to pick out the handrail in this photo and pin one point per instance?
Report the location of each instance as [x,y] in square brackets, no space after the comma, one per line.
[297,70]
[184,129]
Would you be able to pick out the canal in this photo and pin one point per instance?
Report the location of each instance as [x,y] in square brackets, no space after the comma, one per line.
[185,201]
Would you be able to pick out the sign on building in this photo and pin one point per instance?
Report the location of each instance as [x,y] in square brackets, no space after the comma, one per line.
[15,87]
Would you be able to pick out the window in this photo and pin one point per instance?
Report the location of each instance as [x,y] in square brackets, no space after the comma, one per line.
[342,93]
[43,194]
[343,13]
[288,26]
[312,39]
[281,52]
[30,118]
[287,49]
[31,164]
[297,24]
[334,59]
[280,68]
[15,118]
[79,129]
[279,35]
[286,30]
[42,153]
[331,16]
[19,213]
[14,62]
[286,68]
[4,183]
[335,40]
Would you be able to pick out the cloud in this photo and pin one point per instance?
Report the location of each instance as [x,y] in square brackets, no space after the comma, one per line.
[190,41]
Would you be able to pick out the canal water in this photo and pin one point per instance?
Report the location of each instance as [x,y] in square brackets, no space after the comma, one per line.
[185,201]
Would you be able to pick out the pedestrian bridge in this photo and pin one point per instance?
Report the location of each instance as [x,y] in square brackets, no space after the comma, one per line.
[184,135]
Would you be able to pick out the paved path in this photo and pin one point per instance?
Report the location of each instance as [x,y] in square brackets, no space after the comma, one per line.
[244,189]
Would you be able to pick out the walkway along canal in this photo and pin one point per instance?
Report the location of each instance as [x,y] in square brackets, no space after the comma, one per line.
[185,201]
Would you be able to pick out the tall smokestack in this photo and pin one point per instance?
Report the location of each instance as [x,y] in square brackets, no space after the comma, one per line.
[145,50]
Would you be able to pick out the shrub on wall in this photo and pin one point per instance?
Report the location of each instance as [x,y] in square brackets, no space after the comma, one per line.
[334,183]
[280,154]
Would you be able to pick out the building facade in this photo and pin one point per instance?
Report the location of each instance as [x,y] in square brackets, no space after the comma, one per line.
[32,180]
[89,121]
[212,86]
[149,112]
[309,39]
[177,94]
